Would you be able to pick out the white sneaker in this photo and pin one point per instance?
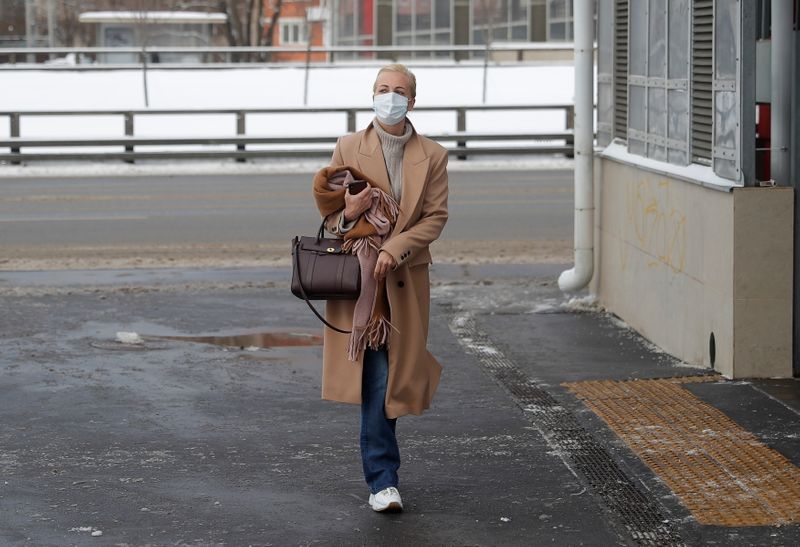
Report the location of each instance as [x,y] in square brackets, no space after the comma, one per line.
[387,499]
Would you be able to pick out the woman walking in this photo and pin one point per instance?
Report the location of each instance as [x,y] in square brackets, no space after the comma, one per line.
[384,364]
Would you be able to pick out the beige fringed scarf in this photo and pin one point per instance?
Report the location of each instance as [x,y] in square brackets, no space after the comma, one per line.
[371,319]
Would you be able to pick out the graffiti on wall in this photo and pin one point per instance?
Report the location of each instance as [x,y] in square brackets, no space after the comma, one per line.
[658,226]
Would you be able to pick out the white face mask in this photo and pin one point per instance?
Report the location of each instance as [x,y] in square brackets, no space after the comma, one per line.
[390,108]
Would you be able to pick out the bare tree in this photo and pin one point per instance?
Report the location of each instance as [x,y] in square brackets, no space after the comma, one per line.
[145,29]
[490,9]
[69,31]
[245,25]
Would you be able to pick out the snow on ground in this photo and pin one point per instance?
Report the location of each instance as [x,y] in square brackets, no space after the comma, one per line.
[277,86]
[345,85]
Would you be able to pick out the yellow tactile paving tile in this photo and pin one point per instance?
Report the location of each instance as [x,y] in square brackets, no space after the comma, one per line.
[721,472]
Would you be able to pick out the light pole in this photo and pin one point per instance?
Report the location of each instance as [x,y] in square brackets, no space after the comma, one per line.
[30,27]
[51,37]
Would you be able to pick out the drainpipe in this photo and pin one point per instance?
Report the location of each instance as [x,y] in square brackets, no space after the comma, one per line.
[781,100]
[579,276]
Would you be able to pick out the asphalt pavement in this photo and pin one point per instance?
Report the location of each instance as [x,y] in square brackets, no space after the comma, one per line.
[214,220]
[181,442]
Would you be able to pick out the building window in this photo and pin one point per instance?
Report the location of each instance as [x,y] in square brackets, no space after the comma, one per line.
[294,31]
[559,20]
[726,99]
[504,20]
[658,80]
[423,23]
[681,62]
[353,25]
[606,35]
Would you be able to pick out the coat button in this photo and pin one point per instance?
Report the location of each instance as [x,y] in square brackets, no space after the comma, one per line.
[401,284]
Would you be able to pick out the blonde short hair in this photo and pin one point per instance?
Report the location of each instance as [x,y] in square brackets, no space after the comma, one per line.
[402,69]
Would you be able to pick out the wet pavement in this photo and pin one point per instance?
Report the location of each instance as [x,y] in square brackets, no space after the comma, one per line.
[209,430]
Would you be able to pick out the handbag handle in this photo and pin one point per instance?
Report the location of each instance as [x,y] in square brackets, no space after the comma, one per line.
[296,262]
[321,231]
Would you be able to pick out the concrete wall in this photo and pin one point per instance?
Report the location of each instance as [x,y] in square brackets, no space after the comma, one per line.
[679,262]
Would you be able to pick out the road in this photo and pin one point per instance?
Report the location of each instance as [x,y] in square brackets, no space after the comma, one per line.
[57,223]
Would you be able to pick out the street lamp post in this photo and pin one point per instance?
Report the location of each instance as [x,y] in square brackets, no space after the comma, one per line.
[30,28]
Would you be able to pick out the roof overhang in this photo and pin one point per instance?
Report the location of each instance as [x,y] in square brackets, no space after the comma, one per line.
[154,17]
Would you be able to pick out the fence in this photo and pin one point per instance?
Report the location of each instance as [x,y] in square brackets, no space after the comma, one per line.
[88,57]
[125,147]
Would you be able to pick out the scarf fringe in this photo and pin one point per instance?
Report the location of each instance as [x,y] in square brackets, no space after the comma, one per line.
[378,332]
[374,336]
[356,343]
[389,206]
[355,246]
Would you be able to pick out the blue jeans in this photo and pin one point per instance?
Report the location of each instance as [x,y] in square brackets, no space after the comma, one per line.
[379,452]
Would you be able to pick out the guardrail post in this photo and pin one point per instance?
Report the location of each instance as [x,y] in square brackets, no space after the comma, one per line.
[570,112]
[241,130]
[15,133]
[129,132]
[351,121]
[461,126]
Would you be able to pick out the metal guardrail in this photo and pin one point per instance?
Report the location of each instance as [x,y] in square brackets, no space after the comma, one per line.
[223,54]
[461,136]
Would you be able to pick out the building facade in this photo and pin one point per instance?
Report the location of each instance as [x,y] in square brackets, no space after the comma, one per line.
[421,23]
[154,28]
[449,22]
[300,24]
[695,238]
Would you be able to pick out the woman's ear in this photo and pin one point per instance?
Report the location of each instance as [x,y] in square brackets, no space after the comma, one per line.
[411,103]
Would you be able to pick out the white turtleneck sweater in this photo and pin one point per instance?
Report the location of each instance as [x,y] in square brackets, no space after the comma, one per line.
[393,147]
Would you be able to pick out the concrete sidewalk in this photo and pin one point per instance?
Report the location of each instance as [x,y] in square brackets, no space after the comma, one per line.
[185,443]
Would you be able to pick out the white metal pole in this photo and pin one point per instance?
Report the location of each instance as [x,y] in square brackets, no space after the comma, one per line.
[51,37]
[580,275]
[781,101]
[30,28]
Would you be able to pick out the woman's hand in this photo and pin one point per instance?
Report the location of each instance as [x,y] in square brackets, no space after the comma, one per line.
[383,265]
[355,204]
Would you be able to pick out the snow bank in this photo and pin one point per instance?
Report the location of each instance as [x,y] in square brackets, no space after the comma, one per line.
[344,85]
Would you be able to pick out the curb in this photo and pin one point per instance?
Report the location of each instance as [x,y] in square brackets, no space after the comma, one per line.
[100,169]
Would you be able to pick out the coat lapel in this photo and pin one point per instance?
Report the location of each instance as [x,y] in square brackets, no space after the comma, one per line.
[415,171]
[371,162]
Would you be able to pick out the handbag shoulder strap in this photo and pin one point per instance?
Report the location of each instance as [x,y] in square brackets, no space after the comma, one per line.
[296,262]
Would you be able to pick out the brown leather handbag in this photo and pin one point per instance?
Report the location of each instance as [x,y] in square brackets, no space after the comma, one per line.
[322,271]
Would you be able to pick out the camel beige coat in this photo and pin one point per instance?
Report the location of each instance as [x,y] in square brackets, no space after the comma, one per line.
[413,371]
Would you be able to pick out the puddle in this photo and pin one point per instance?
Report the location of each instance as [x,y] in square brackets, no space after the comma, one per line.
[116,345]
[261,340]
[131,341]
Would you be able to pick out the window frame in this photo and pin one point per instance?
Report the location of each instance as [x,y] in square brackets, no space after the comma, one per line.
[729,157]
[647,140]
[297,24]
